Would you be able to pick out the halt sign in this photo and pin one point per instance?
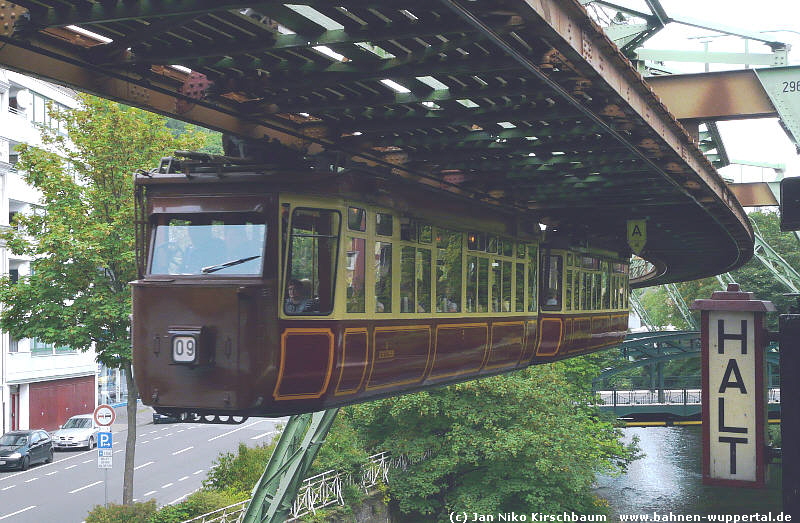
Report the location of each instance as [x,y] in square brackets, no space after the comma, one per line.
[104,415]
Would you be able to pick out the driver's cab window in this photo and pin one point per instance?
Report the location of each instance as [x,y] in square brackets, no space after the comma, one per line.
[215,243]
[311,262]
[552,266]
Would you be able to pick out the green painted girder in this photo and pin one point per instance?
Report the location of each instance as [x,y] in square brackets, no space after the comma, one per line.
[430,60]
[773,261]
[392,122]
[515,136]
[120,10]
[680,304]
[640,311]
[331,105]
[209,57]
[288,466]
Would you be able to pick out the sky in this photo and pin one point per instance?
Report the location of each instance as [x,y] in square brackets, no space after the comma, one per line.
[759,140]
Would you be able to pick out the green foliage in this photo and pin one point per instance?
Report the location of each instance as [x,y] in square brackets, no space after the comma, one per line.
[527,441]
[238,473]
[83,245]
[197,504]
[343,451]
[113,513]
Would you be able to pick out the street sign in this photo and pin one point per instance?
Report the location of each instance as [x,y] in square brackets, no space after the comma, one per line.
[104,415]
[104,440]
[104,458]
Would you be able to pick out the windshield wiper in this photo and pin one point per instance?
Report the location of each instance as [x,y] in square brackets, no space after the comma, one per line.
[220,266]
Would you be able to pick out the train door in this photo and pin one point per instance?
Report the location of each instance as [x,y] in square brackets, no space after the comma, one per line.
[552,273]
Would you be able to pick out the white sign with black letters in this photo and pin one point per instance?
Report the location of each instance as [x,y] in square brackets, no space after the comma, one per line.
[732,395]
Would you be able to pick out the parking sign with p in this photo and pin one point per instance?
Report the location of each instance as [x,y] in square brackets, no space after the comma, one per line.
[104,440]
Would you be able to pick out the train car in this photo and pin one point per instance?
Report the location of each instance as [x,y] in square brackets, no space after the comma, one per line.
[268,291]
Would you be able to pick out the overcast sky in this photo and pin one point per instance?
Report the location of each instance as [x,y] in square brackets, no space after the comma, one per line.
[751,140]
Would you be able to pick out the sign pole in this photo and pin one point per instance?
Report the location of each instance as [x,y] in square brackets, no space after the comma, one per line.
[733,340]
[790,414]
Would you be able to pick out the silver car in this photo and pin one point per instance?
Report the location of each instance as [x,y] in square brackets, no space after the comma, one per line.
[78,431]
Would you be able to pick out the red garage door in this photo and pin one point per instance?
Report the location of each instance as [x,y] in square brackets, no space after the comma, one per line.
[53,402]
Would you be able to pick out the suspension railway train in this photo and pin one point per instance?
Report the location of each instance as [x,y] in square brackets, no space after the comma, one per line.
[275,292]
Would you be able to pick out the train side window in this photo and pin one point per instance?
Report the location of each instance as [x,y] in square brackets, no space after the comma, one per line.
[521,251]
[408,230]
[552,266]
[383,277]
[313,247]
[497,280]
[533,282]
[415,280]
[356,265]
[356,219]
[384,224]
[448,271]
[519,284]
[425,234]
[568,291]
[472,284]
[491,244]
[606,288]
[476,241]
[507,248]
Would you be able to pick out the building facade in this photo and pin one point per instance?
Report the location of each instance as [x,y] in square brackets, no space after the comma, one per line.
[40,385]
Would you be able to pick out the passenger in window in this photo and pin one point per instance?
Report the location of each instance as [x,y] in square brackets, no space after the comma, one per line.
[297,300]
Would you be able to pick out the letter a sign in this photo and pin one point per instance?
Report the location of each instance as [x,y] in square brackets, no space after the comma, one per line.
[637,235]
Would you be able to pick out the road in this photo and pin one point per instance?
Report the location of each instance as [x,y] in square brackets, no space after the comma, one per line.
[171,462]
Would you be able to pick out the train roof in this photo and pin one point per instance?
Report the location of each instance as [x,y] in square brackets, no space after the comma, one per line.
[524,104]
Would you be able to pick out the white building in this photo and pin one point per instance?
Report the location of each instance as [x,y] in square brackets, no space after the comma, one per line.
[40,385]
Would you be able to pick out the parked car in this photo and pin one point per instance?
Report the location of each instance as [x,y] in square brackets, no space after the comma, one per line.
[78,431]
[19,449]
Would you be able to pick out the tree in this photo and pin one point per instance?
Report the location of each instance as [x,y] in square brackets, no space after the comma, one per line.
[526,441]
[82,247]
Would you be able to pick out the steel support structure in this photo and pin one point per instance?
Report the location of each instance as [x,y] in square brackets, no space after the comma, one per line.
[288,466]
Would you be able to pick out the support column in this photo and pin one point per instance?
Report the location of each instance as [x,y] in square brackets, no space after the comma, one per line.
[790,414]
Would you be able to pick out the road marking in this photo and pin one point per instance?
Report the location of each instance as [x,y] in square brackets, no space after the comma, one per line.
[180,431]
[178,499]
[167,485]
[151,492]
[183,478]
[181,451]
[143,465]
[51,473]
[196,472]
[166,428]
[87,461]
[70,467]
[159,437]
[8,487]
[17,512]
[118,451]
[168,435]
[237,430]
[143,442]
[29,480]
[265,434]
[85,487]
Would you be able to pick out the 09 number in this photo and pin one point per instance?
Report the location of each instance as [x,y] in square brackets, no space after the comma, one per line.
[184,348]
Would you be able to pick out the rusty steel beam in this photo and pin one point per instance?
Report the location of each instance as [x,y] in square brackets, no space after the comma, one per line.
[754,194]
[725,95]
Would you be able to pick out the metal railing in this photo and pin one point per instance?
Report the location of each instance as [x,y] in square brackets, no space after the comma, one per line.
[669,397]
[320,491]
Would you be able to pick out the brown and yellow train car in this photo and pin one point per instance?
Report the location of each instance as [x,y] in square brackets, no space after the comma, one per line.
[272,293]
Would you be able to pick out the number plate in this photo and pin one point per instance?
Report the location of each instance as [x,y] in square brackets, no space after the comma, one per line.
[184,349]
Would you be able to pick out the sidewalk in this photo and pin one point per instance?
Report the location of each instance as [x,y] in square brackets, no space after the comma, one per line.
[144,416]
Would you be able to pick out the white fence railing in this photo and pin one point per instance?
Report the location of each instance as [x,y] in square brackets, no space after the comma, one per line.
[670,397]
[320,491]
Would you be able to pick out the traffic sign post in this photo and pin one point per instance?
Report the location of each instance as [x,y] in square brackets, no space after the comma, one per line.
[104,416]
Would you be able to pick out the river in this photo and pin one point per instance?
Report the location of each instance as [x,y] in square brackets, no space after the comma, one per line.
[669,479]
